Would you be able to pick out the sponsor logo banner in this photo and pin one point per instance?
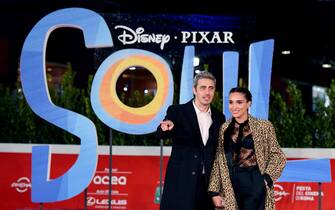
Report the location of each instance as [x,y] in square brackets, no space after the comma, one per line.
[134,185]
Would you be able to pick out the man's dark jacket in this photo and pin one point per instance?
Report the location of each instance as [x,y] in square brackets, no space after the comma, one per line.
[188,155]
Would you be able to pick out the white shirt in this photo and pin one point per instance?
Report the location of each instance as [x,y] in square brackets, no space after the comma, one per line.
[204,121]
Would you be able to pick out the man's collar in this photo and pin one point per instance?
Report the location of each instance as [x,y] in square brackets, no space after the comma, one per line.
[197,110]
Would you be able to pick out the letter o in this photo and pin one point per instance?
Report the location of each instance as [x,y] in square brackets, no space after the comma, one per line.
[115,113]
[97,180]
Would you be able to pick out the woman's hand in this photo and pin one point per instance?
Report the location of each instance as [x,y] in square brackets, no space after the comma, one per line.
[218,201]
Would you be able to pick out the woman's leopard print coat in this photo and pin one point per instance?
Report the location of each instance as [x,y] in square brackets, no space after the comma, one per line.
[270,159]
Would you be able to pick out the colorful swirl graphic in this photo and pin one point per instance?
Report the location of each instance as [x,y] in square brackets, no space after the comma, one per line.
[114,112]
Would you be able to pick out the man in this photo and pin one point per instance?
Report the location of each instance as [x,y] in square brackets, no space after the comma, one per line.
[194,129]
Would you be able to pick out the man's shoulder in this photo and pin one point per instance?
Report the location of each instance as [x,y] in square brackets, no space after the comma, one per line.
[217,112]
[177,107]
[181,106]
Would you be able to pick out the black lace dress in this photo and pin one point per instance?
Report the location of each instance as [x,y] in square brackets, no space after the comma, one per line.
[248,183]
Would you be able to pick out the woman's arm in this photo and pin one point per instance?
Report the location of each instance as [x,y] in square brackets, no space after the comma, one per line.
[276,160]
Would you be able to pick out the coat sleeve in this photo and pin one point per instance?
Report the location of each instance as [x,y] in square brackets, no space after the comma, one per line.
[215,184]
[277,160]
[170,115]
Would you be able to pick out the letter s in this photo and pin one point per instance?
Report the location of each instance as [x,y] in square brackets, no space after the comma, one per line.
[33,77]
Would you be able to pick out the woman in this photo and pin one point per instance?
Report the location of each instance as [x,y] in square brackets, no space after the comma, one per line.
[248,159]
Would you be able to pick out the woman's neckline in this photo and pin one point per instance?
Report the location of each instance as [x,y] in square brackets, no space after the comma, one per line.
[241,122]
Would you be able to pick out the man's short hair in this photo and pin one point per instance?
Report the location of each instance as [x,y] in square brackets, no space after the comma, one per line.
[203,75]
